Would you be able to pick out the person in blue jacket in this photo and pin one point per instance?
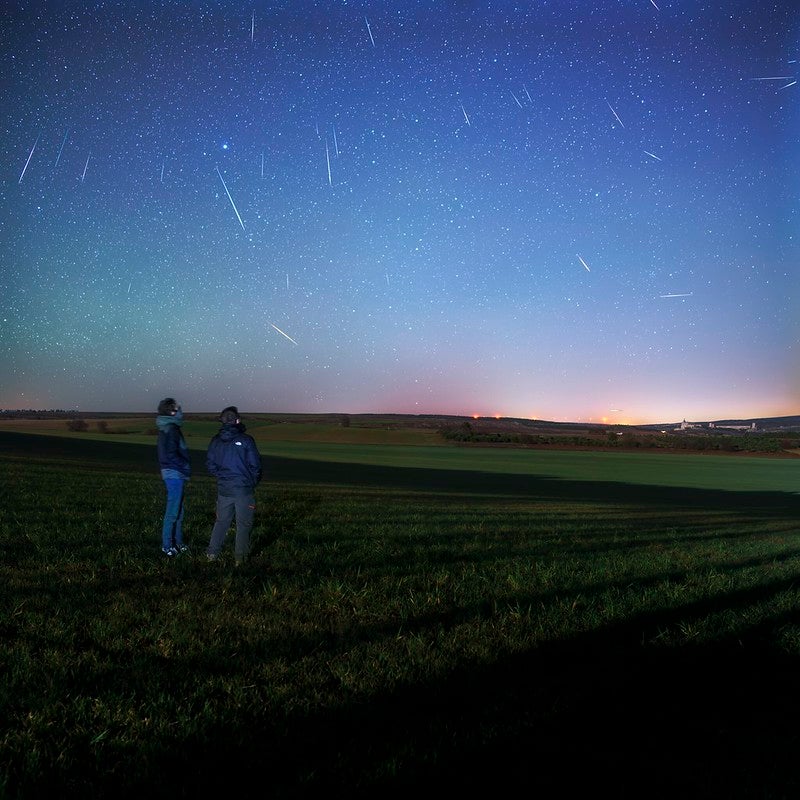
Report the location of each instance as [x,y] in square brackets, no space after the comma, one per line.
[173,457]
[233,459]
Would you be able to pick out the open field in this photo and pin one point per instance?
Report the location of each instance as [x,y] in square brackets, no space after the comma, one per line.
[198,431]
[414,618]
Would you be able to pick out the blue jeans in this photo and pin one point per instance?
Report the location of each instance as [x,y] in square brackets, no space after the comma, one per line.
[172,530]
[243,506]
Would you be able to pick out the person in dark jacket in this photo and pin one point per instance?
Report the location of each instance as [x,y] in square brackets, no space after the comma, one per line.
[233,459]
[173,457]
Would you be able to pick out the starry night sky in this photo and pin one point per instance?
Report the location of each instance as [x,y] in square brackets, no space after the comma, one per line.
[561,210]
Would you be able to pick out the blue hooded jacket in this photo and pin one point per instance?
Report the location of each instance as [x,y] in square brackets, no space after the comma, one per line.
[233,459]
[173,454]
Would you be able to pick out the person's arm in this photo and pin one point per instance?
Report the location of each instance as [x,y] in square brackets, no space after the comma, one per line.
[171,445]
[211,462]
[254,461]
[177,458]
[183,456]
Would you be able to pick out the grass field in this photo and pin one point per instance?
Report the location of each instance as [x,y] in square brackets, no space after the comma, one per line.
[414,618]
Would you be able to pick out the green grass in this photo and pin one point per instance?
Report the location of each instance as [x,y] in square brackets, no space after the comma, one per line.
[453,623]
[141,430]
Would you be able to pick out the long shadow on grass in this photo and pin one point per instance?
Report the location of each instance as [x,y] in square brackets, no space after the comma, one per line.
[597,715]
[279,470]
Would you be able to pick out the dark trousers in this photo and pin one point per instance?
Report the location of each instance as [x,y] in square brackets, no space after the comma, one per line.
[243,507]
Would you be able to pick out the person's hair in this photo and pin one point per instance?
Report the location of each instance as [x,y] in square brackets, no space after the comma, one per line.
[167,407]
[229,415]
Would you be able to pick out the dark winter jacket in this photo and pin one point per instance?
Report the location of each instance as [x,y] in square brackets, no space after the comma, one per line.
[173,454]
[233,459]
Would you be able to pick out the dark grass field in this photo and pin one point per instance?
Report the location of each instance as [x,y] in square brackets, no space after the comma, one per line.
[636,707]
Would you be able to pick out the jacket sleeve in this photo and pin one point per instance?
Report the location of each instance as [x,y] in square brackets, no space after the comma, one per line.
[211,461]
[171,447]
[183,455]
[254,461]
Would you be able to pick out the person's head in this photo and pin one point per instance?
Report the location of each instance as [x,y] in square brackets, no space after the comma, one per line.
[168,407]
[229,415]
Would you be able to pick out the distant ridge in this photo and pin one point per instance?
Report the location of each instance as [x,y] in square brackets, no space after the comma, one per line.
[765,421]
[424,420]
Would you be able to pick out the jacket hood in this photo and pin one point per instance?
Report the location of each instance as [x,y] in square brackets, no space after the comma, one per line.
[229,432]
[163,421]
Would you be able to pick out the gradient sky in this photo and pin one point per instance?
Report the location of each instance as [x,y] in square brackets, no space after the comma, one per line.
[561,210]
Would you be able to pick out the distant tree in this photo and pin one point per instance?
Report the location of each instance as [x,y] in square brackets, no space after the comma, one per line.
[102,426]
[77,425]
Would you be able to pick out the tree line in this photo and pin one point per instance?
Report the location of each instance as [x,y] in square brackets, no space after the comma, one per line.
[748,443]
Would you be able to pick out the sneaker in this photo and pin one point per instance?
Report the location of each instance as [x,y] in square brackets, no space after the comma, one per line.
[212,556]
[183,548]
[169,552]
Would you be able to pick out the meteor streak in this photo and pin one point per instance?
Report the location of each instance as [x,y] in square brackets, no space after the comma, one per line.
[614,113]
[63,142]
[29,159]
[86,165]
[652,155]
[328,159]
[236,211]
[584,264]
[283,334]
[686,294]
[516,100]
[465,115]
[369,31]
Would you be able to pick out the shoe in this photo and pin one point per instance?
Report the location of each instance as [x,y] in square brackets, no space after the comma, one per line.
[169,552]
[184,548]
[212,556]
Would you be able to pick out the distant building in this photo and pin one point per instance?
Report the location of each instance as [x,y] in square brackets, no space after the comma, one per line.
[750,427]
[685,426]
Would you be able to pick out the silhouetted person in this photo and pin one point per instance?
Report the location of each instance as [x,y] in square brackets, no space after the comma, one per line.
[173,456]
[233,459]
